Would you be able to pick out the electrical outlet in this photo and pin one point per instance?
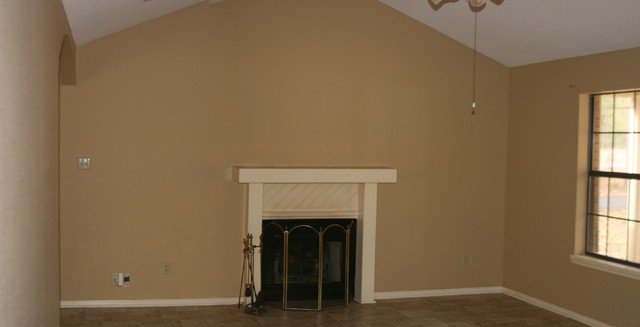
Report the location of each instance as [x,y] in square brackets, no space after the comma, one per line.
[166,268]
[120,279]
[472,259]
[114,279]
[465,259]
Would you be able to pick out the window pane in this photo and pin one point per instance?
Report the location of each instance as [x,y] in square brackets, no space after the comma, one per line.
[633,248]
[617,238]
[618,198]
[622,153]
[634,200]
[624,100]
[634,163]
[608,237]
[599,196]
[602,152]
[597,235]
[624,119]
[636,110]
[603,113]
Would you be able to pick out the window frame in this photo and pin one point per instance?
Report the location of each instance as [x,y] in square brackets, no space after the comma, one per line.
[609,262]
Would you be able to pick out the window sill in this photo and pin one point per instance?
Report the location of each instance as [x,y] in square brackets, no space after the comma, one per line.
[606,266]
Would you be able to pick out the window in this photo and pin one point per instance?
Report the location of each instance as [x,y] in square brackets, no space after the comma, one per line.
[613,213]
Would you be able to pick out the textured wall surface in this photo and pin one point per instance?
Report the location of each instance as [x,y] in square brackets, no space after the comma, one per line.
[543,197]
[165,108]
[31,34]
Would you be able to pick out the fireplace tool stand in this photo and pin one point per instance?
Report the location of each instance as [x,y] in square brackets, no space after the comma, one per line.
[252,301]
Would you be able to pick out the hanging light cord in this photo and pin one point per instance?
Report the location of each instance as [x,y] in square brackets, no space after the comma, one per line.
[475,52]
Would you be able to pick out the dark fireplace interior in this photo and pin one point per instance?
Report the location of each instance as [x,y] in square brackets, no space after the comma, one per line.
[303,288]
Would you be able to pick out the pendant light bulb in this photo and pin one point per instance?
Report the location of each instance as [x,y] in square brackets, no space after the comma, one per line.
[477,3]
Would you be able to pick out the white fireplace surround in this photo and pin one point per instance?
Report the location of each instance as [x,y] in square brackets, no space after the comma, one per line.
[319,193]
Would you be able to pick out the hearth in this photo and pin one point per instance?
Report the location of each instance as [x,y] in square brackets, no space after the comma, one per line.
[308,264]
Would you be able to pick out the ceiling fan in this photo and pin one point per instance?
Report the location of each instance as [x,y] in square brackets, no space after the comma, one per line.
[477,4]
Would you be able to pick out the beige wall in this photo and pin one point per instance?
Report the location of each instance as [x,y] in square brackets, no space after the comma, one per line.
[165,108]
[541,186]
[31,39]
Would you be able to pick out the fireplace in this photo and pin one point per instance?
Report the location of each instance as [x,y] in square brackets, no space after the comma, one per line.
[308,264]
[319,193]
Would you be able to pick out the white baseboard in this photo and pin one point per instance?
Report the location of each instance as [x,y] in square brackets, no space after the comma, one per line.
[147,303]
[440,292]
[378,296]
[554,308]
[493,290]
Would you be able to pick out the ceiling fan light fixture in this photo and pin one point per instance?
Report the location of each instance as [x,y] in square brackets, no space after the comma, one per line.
[477,3]
[473,3]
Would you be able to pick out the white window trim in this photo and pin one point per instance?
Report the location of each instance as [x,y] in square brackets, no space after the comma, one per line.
[606,266]
[579,258]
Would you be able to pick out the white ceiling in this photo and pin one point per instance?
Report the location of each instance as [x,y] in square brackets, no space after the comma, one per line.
[512,32]
[520,32]
[93,19]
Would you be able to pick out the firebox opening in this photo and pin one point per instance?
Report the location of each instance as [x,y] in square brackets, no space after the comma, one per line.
[308,264]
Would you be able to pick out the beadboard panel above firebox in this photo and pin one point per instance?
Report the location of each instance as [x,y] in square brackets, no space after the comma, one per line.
[310,200]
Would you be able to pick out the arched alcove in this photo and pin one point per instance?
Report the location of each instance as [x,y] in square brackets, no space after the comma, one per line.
[67,61]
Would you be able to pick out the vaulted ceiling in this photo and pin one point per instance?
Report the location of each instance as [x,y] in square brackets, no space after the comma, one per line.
[512,32]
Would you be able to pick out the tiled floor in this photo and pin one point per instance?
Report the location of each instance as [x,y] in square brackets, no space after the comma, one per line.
[473,310]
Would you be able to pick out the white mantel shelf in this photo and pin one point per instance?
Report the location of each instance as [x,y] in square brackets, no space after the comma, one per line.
[314,175]
[363,183]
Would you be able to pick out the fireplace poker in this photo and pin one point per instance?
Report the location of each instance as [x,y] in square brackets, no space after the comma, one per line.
[247,280]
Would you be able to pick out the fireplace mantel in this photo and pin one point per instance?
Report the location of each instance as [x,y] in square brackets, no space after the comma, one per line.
[313,175]
[361,183]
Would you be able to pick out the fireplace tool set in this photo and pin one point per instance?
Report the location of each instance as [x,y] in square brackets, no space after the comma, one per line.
[252,301]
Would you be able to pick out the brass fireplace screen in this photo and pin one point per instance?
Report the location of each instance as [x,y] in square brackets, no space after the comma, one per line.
[307,264]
